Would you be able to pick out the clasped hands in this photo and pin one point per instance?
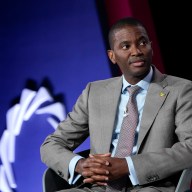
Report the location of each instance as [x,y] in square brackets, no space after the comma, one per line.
[101,168]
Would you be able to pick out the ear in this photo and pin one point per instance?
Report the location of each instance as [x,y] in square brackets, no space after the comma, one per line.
[111,56]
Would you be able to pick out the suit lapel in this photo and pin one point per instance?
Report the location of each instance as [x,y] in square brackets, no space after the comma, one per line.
[109,105]
[154,100]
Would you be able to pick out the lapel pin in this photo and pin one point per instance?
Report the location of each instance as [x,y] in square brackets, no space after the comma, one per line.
[161,94]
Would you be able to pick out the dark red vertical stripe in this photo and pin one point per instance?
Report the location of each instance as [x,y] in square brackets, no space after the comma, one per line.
[117,9]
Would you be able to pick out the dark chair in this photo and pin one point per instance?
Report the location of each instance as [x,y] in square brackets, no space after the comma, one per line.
[185,181]
[53,182]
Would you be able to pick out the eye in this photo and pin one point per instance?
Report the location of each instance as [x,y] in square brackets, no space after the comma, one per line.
[143,42]
[125,46]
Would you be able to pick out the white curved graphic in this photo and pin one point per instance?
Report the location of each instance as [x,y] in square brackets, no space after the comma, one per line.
[30,103]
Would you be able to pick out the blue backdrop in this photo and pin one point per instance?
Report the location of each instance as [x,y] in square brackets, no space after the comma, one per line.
[53,44]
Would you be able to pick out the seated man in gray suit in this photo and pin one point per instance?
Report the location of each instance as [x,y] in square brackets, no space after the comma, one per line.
[162,140]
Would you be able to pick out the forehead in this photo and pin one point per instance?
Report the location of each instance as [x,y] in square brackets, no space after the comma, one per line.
[129,33]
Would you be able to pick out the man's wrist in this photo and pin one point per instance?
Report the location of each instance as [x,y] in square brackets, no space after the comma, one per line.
[78,166]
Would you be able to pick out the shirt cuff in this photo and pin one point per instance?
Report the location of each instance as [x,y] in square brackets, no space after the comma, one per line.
[73,178]
[132,176]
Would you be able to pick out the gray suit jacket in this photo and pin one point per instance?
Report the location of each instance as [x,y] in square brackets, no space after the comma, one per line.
[165,137]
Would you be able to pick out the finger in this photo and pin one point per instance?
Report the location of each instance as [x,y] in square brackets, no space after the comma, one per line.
[99,171]
[100,155]
[94,171]
[100,178]
[99,160]
[87,173]
[101,183]
[94,164]
[88,180]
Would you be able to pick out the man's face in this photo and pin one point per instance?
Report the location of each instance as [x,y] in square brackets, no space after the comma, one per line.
[132,52]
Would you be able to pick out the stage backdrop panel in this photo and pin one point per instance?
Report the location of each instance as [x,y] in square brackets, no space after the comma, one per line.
[49,51]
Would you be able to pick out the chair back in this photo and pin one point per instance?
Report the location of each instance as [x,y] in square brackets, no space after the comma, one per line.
[53,182]
[185,181]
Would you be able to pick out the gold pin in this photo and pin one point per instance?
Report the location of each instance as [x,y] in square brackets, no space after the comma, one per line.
[161,94]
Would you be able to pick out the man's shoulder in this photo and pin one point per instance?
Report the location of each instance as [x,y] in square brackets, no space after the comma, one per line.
[107,81]
[178,83]
[178,79]
[110,83]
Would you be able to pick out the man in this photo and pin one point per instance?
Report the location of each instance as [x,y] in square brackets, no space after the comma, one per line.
[163,137]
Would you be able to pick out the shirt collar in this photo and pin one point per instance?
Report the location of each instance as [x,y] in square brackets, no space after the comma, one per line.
[144,83]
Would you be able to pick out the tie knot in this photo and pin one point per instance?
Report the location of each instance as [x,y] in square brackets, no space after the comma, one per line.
[133,90]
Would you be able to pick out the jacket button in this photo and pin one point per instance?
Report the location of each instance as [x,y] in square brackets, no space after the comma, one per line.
[60,173]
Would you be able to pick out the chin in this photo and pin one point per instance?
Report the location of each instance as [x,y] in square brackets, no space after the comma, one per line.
[141,71]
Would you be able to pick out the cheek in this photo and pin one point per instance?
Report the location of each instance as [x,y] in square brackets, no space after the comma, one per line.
[123,61]
[149,56]
[122,56]
[149,53]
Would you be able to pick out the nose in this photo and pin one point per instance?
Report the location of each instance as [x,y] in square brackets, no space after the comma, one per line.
[135,50]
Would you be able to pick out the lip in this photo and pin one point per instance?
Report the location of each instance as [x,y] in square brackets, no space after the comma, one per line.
[138,63]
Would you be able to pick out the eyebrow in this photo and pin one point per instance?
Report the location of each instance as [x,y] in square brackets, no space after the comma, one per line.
[139,39]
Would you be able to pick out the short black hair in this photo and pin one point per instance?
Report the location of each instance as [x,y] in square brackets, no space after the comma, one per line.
[127,21]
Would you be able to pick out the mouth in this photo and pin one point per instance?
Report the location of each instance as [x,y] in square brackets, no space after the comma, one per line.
[137,63]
